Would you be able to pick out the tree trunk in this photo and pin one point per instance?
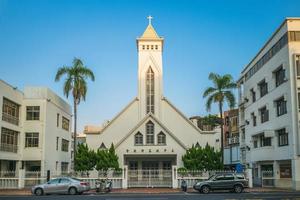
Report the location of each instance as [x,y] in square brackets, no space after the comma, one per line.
[222,130]
[75,132]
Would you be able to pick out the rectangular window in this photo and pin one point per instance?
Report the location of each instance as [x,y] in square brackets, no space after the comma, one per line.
[9,140]
[57,119]
[255,144]
[283,137]
[253,95]
[285,171]
[264,114]
[253,119]
[281,106]
[57,140]
[263,88]
[32,112]
[64,167]
[298,66]
[10,111]
[265,141]
[31,139]
[64,145]
[65,123]
[279,76]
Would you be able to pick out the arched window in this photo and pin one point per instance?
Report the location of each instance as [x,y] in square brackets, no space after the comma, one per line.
[161,138]
[150,133]
[138,139]
[150,91]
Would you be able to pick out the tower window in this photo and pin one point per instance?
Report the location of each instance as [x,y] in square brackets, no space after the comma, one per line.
[143,47]
[151,47]
[147,47]
[150,133]
[150,91]
[156,47]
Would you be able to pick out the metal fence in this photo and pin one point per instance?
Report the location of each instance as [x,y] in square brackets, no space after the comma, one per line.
[267,178]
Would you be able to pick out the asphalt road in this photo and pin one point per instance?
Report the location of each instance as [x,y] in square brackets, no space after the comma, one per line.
[175,196]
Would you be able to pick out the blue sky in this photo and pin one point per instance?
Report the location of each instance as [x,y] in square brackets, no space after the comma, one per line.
[38,36]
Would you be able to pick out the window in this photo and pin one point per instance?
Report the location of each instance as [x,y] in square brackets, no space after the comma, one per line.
[283,137]
[285,171]
[64,145]
[9,140]
[161,138]
[253,95]
[57,120]
[279,76]
[156,47]
[10,112]
[228,177]
[143,47]
[31,139]
[138,139]
[150,91]
[264,114]
[299,99]
[298,66]
[32,113]
[281,106]
[255,143]
[64,180]
[65,123]
[263,88]
[133,165]
[57,139]
[64,167]
[167,165]
[54,181]
[150,133]
[265,141]
[253,119]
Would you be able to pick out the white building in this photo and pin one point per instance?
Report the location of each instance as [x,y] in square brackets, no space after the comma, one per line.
[269,93]
[150,132]
[35,130]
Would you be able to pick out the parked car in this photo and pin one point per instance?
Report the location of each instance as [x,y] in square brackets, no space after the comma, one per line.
[223,181]
[64,185]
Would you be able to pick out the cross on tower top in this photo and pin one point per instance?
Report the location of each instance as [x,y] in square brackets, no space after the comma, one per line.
[149,18]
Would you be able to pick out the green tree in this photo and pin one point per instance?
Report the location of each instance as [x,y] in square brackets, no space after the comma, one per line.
[76,85]
[107,159]
[219,93]
[198,158]
[85,158]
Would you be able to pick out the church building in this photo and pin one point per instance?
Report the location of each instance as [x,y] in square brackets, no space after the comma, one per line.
[150,133]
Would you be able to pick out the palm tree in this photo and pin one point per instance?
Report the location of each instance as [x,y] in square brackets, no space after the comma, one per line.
[75,83]
[220,93]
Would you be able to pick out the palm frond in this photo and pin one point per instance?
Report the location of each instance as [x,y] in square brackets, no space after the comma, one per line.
[209,91]
[230,98]
[209,101]
[61,71]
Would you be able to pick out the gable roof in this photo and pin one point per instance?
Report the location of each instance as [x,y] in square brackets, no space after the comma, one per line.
[186,119]
[147,117]
[150,33]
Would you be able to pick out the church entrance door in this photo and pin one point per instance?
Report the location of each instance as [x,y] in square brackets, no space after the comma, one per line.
[150,174]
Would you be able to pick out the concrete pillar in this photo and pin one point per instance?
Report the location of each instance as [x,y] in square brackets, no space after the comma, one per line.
[125,177]
[296,173]
[276,173]
[21,178]
[174,177]
[249,172]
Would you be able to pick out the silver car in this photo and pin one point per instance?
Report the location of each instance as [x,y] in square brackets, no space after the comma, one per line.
[64,185]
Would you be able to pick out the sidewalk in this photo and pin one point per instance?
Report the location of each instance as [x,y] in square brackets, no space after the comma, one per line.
[24,192]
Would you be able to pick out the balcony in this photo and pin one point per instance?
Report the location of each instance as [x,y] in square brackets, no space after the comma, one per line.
[233,140]
[8,147]
[10,119]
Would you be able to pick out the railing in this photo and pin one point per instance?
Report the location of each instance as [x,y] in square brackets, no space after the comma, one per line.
[8,147]
[10,119]
[267,178]
[233,140]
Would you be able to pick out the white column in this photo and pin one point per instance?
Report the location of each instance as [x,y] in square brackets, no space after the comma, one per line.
[174,177]
[249,172]
[296,174]
[21,176]
[125,177]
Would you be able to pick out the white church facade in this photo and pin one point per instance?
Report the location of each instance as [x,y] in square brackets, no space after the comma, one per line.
[150,132]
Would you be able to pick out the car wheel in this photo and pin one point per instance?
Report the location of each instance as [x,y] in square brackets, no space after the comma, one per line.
[238,189]
[205,189]
[39,192]
[72,191]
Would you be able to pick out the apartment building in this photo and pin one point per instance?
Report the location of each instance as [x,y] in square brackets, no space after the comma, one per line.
[35,130]
[231,139]
[269,106]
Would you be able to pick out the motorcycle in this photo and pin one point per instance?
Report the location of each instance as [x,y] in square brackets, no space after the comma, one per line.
[103,186]
[183,185]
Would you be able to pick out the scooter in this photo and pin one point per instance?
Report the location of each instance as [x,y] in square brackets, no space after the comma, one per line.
[183,185]
[103,186]
[108,186]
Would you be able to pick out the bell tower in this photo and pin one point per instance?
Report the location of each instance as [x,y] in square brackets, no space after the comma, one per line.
[150,71]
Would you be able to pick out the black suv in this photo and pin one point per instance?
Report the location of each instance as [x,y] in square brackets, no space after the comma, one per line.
[223,181]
